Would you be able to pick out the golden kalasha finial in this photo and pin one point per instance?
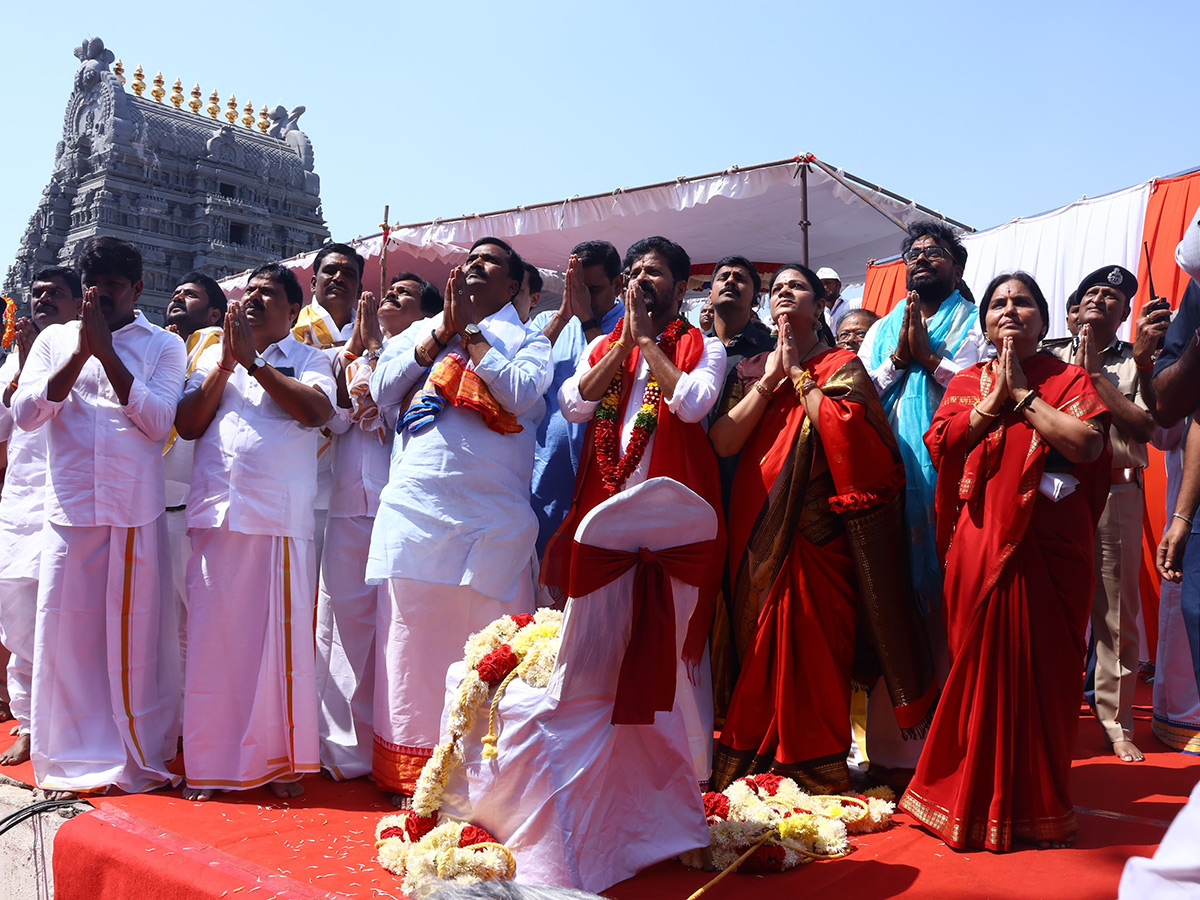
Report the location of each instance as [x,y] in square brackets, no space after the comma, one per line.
[263,122]
[195,103]
[177,94]
[214,104]
[139,81]
[231,109]
[248,114]
[119,71]
[158,92]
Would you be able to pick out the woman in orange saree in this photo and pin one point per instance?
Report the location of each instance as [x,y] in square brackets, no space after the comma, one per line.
[817,456]
[1020,446]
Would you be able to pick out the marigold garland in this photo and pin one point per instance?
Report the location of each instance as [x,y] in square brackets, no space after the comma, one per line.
[803,827]
[10,322]
[416,844]
[614,468]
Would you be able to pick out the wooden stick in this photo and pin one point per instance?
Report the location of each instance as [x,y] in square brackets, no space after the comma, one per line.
[383,254]
[737,862]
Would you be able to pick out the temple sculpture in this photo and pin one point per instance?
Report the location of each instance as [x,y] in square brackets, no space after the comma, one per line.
[195,186]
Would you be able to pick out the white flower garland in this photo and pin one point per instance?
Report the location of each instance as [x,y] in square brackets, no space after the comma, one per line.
[802,827]
[416,846]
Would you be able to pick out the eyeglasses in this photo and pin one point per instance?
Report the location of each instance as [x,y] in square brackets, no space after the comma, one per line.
[932,252]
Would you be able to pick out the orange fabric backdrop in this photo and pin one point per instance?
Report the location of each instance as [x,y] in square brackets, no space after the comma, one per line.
[884,287]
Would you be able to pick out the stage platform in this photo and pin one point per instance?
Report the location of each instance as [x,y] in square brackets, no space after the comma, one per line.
[249,845]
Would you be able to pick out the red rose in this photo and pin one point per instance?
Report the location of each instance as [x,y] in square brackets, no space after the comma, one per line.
[768,783]
[392,831]
[716,806]
[473,834]
[416,827]
[522,619]
[767,858]
[494,667]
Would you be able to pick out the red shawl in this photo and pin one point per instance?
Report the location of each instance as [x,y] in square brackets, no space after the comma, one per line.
[680,450]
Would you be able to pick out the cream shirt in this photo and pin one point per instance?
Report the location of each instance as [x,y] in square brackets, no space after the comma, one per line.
[105,464]
[456,507]
[255,468]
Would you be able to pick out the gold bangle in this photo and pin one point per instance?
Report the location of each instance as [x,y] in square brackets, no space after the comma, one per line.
[896,362]
[804,384]
[1026,401]
[763,389]
[986,415]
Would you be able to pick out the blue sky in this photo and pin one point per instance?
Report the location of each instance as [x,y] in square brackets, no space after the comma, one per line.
[984,111]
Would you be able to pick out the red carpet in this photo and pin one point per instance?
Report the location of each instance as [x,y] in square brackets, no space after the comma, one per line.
[320,845]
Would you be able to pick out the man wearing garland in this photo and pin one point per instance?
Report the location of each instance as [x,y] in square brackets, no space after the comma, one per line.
[454,533]
[55,298]
[655,357]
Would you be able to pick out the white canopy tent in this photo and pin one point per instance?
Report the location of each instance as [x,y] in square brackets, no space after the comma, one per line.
[773,213]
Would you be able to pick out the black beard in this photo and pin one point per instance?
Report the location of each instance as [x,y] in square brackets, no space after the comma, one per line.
[931,287]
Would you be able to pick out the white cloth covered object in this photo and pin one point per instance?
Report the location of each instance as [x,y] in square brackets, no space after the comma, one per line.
[578,800]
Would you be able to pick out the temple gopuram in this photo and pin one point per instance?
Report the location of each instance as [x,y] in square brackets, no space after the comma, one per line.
[194,184]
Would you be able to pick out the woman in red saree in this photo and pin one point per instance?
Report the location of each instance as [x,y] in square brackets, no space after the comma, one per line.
[1010,436]
[815,449]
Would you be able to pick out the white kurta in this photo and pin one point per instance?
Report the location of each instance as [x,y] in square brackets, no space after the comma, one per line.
[21,517]
[250,694]
[106,669]
[454,535]
[346,605]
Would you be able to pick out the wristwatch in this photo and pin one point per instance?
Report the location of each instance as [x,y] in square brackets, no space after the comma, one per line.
[372,355]
[470,332]
[258,363]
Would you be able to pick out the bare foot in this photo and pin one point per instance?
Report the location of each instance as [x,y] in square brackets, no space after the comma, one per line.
[400,801]
[285,790]
[17,753]
[1126,751]
[5,712]
[61,795]
[199,794]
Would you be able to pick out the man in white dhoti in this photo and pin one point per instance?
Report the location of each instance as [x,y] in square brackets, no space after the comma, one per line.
[253,406]
[453,538]
[195,313]
[327,322]
[55,298]
[105,700]
[346,605]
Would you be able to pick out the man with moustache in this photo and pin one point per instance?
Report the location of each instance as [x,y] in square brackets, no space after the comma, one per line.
[105,707]
[195,312]
[454,533]
[347,606]
[911,355]
[327,322]
[1122,374]
[55,299]
[591,306]
[654,355]
[836,306]
[253,405]
[735,287]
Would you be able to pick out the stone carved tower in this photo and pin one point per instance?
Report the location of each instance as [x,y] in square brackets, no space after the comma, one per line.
[189,189]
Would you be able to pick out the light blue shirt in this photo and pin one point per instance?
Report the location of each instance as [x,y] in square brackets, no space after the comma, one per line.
[559,442]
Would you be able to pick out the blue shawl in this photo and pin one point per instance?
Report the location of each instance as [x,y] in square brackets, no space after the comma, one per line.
[910,402]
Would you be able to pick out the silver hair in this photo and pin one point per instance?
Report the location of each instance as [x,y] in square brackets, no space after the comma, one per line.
[509,890]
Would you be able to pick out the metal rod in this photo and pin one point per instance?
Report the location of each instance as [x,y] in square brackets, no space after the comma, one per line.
[804,223]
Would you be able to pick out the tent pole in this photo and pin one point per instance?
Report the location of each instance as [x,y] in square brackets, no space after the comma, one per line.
[804,223]
[862,195]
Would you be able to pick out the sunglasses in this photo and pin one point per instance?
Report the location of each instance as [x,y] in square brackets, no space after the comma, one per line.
[932,253]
